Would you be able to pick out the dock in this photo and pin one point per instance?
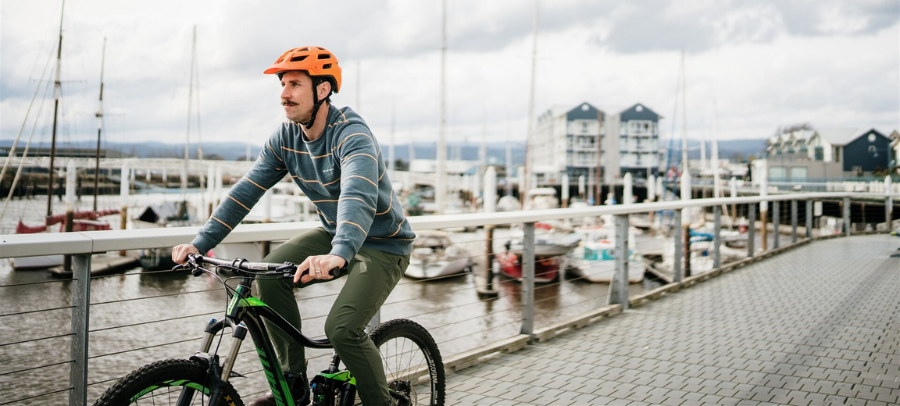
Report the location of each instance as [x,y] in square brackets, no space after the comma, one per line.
[817,325]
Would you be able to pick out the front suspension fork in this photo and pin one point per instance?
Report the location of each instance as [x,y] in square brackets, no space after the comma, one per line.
[217,375]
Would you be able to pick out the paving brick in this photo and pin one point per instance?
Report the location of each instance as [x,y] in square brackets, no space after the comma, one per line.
[759,335]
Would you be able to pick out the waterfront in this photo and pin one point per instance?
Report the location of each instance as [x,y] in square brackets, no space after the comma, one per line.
[162,313]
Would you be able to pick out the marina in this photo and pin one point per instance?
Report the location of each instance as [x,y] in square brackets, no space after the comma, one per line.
[141,315]
[583,233]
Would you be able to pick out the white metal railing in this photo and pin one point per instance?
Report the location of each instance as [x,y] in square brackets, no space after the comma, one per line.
[24,245]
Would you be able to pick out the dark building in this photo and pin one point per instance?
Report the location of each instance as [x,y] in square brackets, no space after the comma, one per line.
[868,152]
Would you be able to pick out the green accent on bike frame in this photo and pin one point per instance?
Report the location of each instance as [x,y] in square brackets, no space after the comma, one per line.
[234,300]
[248,302]
[252,301]
[340,376]
[278,385]
[183,382]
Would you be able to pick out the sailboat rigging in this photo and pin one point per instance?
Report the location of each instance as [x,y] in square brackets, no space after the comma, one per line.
[99,125]
[57,87]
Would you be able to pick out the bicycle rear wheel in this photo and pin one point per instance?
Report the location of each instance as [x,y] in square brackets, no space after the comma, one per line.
[412,361]
[161,383]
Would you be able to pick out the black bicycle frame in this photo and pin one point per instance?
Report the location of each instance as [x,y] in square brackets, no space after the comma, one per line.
[245,311]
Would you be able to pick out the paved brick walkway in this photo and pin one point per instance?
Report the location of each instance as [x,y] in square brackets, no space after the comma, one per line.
[816,325]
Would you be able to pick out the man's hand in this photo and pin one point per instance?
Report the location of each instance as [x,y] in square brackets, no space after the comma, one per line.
[318,267]
[180,252]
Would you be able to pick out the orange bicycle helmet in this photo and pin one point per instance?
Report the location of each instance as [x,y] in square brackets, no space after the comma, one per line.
[316,61]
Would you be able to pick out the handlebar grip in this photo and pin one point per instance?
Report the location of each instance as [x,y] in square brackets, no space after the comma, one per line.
[333,272]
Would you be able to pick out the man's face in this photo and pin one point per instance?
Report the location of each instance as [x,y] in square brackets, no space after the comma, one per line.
[296,96]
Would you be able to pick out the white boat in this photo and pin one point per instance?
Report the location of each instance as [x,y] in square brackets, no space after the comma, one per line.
[435,256]
[594,258]
[508,203]
[701,255]
[40,262]
[542,198]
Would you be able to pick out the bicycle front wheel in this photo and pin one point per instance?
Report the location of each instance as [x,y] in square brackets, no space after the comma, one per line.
[162,383]
[412,361]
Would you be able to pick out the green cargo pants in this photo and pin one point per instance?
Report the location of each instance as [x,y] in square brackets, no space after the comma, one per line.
[371,275]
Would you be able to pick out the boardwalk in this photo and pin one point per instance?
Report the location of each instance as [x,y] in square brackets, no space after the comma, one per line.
[816,325]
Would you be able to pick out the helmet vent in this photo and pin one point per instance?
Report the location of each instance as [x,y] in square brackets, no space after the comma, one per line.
[298,58]
[324,56]
[326,66]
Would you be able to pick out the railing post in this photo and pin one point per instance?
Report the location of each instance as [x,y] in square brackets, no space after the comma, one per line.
[846,216]
[717,237]
[751,231]
[618,289]
[888,210]
[793,221]
[528,280]
[679,249]
[81,300]
[809,218]
[776,220]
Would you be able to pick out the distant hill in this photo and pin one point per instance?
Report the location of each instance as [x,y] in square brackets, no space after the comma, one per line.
[496,152]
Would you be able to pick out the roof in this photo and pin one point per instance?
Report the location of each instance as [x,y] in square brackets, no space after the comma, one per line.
[584,111]
[840,136]
[639,112]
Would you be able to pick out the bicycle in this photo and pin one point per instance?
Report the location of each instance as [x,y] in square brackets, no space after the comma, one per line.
[412,361]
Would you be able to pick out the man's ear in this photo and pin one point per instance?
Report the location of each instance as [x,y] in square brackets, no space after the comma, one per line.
[324,89]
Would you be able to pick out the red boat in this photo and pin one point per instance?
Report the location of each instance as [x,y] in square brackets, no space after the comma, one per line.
[548,259]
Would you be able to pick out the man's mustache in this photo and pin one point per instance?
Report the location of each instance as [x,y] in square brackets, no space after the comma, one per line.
[288,103]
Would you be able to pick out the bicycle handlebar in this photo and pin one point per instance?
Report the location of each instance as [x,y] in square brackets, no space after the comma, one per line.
[243,267]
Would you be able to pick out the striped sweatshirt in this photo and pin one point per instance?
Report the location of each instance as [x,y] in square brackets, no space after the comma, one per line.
[343,174]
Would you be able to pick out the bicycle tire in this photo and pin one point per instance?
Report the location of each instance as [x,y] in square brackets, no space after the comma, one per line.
[160,383]
[403,361]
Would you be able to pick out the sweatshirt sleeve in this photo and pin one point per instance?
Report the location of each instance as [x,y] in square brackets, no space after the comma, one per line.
[268,170]
[358,155]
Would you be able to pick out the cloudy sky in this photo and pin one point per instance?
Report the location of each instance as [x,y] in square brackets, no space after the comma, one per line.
[751,65]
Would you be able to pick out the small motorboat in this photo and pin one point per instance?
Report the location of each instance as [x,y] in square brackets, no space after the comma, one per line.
[552,242]
[548,260]
[81,221]
[594,260]
[435,256]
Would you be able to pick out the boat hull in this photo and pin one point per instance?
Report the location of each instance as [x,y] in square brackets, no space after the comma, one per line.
[438,270]
[40,262]
[546,268]
[602,271]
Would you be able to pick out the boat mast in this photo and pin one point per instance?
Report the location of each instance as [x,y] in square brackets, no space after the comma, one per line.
[684,148]
[187,141]
[56,92]
[523,194]
[439,191]
[99,125]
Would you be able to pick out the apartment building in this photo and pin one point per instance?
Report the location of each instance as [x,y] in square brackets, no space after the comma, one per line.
[573,140]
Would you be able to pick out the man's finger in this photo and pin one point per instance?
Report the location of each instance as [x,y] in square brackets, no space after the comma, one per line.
[300,268]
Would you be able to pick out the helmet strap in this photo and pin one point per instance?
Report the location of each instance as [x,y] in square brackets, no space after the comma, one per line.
[316,102]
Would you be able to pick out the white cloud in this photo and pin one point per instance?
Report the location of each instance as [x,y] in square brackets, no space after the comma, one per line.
[767,63]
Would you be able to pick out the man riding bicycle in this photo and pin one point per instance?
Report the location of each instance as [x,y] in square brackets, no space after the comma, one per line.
[333,157]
